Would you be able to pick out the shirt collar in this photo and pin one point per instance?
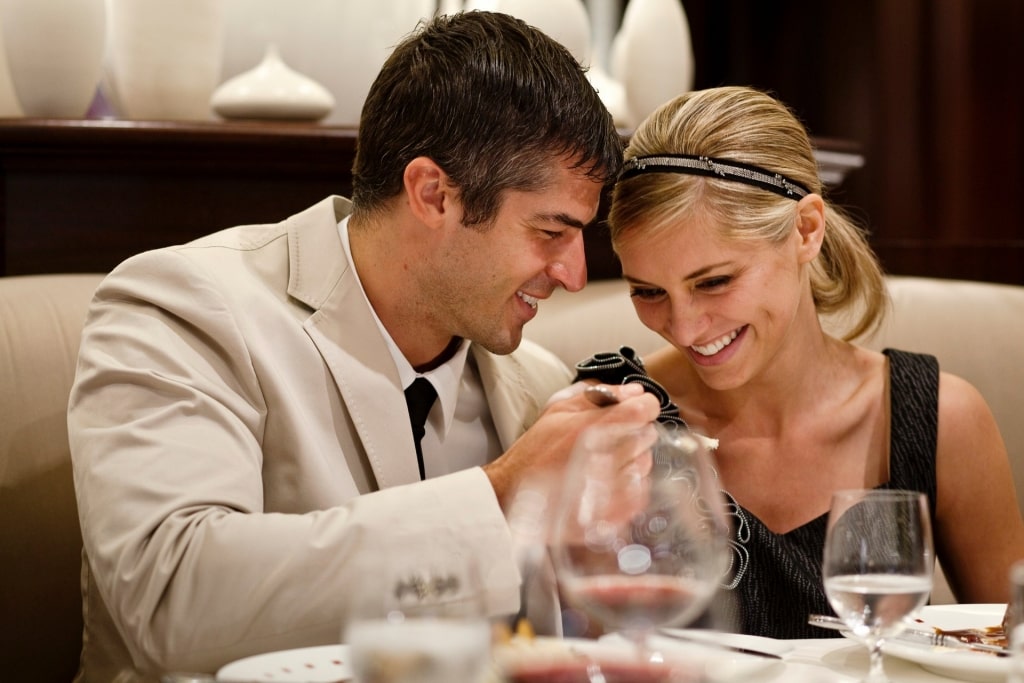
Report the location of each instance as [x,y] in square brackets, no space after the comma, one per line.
[446,378]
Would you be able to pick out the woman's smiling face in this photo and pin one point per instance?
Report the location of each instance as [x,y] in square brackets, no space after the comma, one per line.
[726,304]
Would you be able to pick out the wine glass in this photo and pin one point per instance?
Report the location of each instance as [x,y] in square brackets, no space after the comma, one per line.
[878,564]
[430,627]
[640,538]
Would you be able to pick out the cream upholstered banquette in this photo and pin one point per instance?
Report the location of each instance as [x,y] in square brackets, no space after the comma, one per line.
[975,330]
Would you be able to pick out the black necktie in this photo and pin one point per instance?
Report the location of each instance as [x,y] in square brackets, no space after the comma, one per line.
[419,397]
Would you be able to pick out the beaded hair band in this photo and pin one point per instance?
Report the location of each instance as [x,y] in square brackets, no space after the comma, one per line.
[726,169]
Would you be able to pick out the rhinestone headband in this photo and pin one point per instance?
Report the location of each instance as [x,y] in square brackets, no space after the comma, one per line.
[726,169]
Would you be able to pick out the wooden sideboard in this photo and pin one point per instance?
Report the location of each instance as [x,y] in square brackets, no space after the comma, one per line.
[83,195]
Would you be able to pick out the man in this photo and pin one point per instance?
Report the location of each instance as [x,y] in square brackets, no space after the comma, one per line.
[243,458]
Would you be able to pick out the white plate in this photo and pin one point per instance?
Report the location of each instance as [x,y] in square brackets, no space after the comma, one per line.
[719,665]
[965,666]
[324,664]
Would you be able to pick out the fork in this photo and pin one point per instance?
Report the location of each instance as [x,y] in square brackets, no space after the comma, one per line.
[915,635]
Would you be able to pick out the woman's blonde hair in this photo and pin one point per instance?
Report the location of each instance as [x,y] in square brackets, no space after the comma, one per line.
[745,125]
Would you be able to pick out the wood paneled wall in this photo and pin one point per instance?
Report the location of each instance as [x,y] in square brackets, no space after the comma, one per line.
[932,90]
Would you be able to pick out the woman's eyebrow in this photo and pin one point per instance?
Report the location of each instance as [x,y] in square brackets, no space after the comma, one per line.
[700,272]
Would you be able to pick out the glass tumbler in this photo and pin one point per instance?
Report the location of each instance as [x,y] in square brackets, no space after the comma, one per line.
[1014,623]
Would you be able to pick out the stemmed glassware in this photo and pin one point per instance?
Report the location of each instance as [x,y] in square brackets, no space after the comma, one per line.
[430,627]
[878,564]
[640,539]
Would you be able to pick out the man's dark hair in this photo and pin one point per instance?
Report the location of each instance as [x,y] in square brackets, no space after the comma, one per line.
[493,101]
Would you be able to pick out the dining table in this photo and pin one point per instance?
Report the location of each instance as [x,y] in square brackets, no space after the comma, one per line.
[817,660]
[840,660]
[715,656]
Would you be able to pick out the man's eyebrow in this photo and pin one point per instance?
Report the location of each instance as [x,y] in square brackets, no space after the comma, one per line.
[563,218]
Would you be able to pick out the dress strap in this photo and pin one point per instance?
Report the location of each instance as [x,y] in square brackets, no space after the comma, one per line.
[914,421]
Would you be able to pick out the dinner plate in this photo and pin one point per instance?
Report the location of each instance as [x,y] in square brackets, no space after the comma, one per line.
[965,666]
[323,664]
[703,648]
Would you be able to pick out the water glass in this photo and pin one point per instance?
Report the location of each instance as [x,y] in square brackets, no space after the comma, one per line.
[640,536]
[431,627]
[1014,623]
[877,564]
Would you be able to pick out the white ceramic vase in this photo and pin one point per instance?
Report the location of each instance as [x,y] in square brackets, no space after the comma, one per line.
[164,59]
[272,90]
[54,54]
[612,94]
[652,55]
[340,44]
[9,105]
[450,6]
[567,21]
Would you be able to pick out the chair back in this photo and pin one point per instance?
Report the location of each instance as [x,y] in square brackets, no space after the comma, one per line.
[41,319]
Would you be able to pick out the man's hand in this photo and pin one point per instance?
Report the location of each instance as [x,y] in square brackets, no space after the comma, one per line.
[546,446]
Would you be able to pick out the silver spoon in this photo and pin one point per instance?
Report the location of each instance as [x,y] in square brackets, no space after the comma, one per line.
[600,395]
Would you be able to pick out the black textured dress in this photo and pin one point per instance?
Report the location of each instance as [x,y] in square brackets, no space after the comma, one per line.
[775,581]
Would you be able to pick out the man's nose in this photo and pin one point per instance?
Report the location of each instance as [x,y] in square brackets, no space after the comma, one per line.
[570,268]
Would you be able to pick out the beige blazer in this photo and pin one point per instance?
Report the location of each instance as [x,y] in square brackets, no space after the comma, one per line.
[233,401]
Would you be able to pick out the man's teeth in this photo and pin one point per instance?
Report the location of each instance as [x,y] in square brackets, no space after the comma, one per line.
[717,345]
[531,300]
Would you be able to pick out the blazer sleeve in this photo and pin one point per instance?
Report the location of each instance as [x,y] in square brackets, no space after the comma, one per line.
[166,421]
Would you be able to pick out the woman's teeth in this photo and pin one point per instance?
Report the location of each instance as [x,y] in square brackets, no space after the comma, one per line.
[717,345]
[530,300]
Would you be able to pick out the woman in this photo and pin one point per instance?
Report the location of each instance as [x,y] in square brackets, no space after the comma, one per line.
[732,254]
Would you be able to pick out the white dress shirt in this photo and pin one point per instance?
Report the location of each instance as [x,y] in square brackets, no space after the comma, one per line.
[459,431]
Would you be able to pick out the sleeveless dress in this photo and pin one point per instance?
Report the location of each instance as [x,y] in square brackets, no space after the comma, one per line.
[775,582]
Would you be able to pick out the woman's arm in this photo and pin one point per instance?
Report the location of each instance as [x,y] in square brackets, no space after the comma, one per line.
[979,532]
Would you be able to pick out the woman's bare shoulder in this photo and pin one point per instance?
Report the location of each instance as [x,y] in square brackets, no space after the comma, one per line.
[963,411]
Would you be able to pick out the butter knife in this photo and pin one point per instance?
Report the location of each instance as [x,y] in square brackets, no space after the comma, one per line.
[677,635]
[916,636]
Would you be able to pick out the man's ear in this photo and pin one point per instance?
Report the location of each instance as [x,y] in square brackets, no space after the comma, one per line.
[810,225]
[429,190]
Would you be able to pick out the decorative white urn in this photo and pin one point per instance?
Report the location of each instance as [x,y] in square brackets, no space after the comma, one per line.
[567,21]
[54,54]
[9,105]
[164,57]
[652,55]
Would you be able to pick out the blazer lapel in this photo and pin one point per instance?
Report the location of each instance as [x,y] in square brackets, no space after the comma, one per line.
[513,406]
[346,334]
[344,331]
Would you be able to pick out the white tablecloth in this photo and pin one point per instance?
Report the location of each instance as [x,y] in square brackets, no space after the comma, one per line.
[826,660]
[838,660]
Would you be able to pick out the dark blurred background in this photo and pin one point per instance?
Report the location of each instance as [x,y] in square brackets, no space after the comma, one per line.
[932,93]
[928,92]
